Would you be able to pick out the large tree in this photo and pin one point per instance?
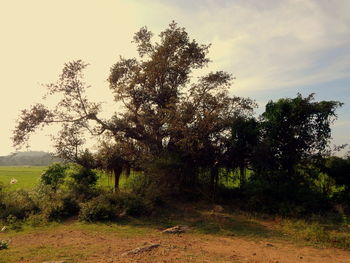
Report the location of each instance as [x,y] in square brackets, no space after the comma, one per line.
[163,112]
[294,131]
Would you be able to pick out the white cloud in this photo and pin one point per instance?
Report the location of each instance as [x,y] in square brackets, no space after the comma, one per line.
[265,44]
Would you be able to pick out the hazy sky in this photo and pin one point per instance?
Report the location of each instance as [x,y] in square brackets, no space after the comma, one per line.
[274,48]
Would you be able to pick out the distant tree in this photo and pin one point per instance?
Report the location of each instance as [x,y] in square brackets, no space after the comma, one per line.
[162,110]
[295,130]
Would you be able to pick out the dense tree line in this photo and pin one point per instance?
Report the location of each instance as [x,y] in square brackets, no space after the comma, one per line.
[186,135]
[31,158]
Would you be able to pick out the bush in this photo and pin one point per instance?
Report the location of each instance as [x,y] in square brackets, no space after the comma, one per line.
[98,208]
[17,203]
[81,182]
[108,206]
[55,206]
[149,188]
[13,223]
[284,197]
[132,205]
[54,175]
[36,220]
[55,210]
[4,244]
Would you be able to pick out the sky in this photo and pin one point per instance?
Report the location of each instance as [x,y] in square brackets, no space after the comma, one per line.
[273,48]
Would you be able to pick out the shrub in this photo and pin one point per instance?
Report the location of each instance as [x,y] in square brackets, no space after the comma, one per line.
[98,208]
[36,220]
[141,185]
[108,206]
[4,244]
[55,205]
[302,230]
[17,203]
[13,223]
[132,205]
[57,209]
[81,182]
[54,175]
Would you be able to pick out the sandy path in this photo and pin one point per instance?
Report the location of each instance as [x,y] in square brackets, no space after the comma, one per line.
[108,247]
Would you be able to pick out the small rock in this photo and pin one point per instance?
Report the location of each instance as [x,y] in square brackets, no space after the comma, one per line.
[269,245]
[175,230]
[141,250]
[254,254]
[3,229]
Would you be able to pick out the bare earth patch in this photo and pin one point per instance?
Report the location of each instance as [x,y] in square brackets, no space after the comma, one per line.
[108,244]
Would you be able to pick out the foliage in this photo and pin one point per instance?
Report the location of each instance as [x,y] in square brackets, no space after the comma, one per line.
[36,220]
[339,169]
[4,244]
[295,130]
[163,112]
[13,223]
[98,208]
[108,206]
[185,136]
[116,157]
[55,206]
[81,181]
[132,205]
[54,175]
[16,203]
[243,145]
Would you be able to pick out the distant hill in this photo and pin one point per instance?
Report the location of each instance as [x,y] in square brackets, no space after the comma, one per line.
[31,158]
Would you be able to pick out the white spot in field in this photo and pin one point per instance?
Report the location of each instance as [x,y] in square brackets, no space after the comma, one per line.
[13,181]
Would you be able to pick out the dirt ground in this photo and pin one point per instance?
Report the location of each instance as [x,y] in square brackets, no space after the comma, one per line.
[77,244]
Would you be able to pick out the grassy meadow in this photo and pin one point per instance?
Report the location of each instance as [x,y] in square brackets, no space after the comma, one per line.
[28,176]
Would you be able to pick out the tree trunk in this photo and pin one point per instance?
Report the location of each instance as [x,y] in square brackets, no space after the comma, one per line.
[214,178]
[242,176]
[127,170]
[117,172]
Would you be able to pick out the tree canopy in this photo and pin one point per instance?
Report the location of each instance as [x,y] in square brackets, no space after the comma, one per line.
[297,129]
[163,110]
[181,136]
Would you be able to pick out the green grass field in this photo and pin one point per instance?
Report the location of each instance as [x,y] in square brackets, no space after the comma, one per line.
[29,176]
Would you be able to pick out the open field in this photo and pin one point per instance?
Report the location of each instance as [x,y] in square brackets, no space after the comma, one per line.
[212,237]
[29,176]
